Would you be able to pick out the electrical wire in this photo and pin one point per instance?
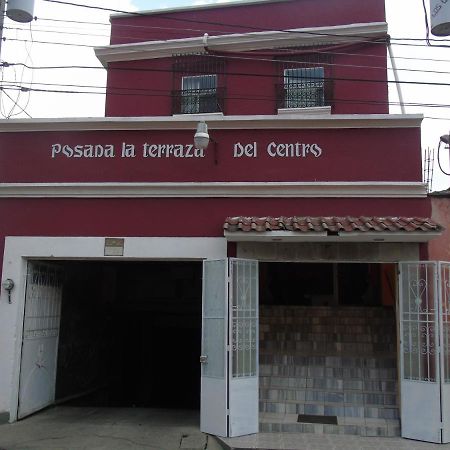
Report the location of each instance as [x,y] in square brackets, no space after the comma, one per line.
[120,91]
[178,30]
[439,159]
[229,73]
[246,27]
[202,30]
[427,26]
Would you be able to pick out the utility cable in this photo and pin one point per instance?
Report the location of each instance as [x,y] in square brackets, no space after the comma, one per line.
[247,27]
[229,73]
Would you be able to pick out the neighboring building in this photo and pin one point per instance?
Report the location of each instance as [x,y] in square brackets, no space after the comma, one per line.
[439,249]
[308,184]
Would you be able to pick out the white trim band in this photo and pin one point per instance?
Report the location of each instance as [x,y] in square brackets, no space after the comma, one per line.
[216,189]
[242,42]
[294,120]
[292,236]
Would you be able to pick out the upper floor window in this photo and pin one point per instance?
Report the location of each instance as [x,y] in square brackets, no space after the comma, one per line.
[304,87]
[304,80]
[199,94]
[198,84]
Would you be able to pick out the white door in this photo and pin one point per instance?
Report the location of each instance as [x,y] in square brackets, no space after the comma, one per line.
[40,338]
[444,325]
[214,373]
[244,354]
[419,357]
[229,378]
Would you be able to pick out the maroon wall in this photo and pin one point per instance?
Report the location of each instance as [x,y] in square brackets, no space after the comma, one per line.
[235,18]
[177,217]
[374,154]
[359,72]
[144,88]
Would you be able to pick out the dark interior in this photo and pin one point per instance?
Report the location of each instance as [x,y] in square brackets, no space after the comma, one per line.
[130,334]
[322,284]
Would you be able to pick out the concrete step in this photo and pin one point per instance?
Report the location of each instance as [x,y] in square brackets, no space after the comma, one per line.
[343,383]
[288,423]
[285,370]
[323,335]
[328,348]
[389,412]
[316,365]
[330,396]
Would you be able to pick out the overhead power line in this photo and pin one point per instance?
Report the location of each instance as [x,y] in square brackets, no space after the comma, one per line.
[203,30]
[168,94]
[229,73]
[246,27]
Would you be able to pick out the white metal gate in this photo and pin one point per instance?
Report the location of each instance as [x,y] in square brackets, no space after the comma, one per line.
[229,379]
[40,338]
[424,357]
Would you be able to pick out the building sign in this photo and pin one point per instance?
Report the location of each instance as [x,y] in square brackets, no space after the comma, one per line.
[151,150]
[237,155]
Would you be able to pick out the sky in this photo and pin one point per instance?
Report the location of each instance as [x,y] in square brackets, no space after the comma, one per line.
[405,19]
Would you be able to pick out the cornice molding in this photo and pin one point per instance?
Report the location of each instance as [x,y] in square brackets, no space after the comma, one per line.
[216,122]
[216,190]
[242,42]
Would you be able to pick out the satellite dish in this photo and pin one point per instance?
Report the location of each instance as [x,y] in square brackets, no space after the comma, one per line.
[20,10]
[440,17]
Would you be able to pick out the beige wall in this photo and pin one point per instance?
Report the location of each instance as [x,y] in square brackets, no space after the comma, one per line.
[439,248]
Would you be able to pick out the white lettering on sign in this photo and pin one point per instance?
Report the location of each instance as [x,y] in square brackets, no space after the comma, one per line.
[171,150]
[296,150]
[83,151]
[164,151]
[248,150]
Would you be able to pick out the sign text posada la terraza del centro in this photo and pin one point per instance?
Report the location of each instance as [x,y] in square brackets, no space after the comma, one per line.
[149,150]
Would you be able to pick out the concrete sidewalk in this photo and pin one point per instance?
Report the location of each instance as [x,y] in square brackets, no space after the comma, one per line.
[92,428]
[83,428]
[297,441]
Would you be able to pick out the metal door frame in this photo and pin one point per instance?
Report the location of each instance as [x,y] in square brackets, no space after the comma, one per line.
[29,265]
[438,431]
[236,408]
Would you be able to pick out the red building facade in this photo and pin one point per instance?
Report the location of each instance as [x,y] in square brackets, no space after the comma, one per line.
[304,167]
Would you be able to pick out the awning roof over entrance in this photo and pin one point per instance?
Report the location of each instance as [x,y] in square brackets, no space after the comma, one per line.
[393,229]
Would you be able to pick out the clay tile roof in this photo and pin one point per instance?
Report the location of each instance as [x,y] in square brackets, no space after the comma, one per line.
[332,225]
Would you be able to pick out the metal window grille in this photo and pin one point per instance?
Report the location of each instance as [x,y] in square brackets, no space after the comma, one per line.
[304,87]
[419,315]
[198,84]
[199,94]
[244,318]
[305,80]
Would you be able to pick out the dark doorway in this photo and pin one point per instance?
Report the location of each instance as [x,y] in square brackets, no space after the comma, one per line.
[130,334]
[321,284]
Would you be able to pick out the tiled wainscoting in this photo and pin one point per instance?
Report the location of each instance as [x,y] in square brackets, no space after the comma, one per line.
[328,361]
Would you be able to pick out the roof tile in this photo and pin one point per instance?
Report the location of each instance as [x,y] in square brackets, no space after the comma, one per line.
[346,224]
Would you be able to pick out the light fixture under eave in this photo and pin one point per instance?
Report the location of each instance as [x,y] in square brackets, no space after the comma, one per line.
[445,139]
[201,137]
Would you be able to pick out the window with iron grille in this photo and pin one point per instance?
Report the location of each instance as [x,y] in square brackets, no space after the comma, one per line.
[305,80]
[199,94]
[198,84]
[304,87]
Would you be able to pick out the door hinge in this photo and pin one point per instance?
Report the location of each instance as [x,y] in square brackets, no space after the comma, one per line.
[228,348]
[228,412]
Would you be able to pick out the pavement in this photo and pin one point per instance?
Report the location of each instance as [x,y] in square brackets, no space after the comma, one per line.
[93,428]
